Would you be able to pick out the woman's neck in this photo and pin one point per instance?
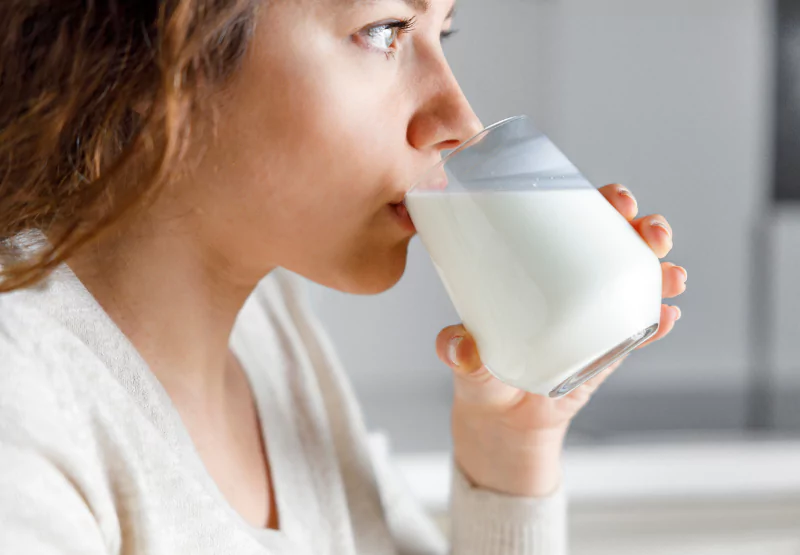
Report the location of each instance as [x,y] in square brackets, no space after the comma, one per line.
[174,298]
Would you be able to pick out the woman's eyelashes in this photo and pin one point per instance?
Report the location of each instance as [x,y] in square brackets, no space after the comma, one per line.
[384,37]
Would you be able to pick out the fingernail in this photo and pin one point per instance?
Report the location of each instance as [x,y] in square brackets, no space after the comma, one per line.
[622,190]
[684,272]
[662,225]
[452,349]
[677,312]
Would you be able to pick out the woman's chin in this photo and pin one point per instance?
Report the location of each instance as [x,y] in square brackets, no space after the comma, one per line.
[368,273]
[372,276]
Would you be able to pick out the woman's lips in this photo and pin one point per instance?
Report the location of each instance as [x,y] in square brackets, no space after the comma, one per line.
[403,217]
[399,209]
[438,184]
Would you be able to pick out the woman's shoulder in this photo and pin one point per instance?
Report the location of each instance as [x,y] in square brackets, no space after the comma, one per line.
[55,340]
[28,337]
[39,363]
[47,398]
[31,335]
[53,387]
[63,402]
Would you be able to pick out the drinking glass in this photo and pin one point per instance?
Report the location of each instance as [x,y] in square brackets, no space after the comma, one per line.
[551,281]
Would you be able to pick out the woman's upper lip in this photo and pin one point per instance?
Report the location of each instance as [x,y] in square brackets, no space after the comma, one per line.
[400,198]
[434,184]
[439,184]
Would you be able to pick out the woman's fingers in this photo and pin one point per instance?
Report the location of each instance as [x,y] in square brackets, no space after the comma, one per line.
[473,382]
[457,349]
[656,232]
[621,199]
[674,280]
[654,229]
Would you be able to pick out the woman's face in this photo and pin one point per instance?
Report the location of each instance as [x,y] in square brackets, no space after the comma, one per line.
[338,107]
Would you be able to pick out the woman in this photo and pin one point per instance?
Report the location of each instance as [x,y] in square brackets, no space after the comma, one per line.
[158,394]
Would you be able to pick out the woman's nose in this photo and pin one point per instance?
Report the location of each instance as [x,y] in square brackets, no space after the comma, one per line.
[446,119]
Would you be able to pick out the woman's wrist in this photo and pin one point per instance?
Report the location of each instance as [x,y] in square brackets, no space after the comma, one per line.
[527,465]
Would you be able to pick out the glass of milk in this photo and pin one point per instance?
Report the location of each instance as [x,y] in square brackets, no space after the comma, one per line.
[552,282]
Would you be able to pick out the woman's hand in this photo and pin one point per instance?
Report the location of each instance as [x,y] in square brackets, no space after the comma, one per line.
[508,440]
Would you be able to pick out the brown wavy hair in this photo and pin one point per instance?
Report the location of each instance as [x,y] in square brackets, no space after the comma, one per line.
[96,101]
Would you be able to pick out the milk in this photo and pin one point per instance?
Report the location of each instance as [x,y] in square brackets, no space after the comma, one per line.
[552,283]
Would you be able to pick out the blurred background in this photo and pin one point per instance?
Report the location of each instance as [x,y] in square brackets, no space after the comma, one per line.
[693,447]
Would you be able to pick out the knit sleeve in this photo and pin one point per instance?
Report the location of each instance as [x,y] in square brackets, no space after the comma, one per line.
[481,522]
[489,523]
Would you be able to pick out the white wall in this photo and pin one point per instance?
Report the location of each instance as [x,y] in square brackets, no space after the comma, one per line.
[671,97]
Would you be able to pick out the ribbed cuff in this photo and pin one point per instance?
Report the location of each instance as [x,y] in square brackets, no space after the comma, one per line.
[489,523]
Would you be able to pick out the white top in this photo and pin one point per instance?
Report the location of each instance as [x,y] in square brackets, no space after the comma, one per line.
[94,458]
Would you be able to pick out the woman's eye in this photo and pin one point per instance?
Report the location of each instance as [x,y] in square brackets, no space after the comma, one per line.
[382,37]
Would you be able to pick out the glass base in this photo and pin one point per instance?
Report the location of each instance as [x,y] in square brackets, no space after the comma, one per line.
[603,362]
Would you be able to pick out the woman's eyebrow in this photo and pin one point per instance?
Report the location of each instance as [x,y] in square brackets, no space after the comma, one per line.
[419,5]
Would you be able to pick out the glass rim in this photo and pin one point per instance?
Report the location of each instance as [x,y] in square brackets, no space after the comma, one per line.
[463,146]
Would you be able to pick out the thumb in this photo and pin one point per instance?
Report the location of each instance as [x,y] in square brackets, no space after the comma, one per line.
[473,382]
[458,350]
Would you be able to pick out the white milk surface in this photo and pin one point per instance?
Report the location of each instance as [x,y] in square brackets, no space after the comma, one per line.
[547,280]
